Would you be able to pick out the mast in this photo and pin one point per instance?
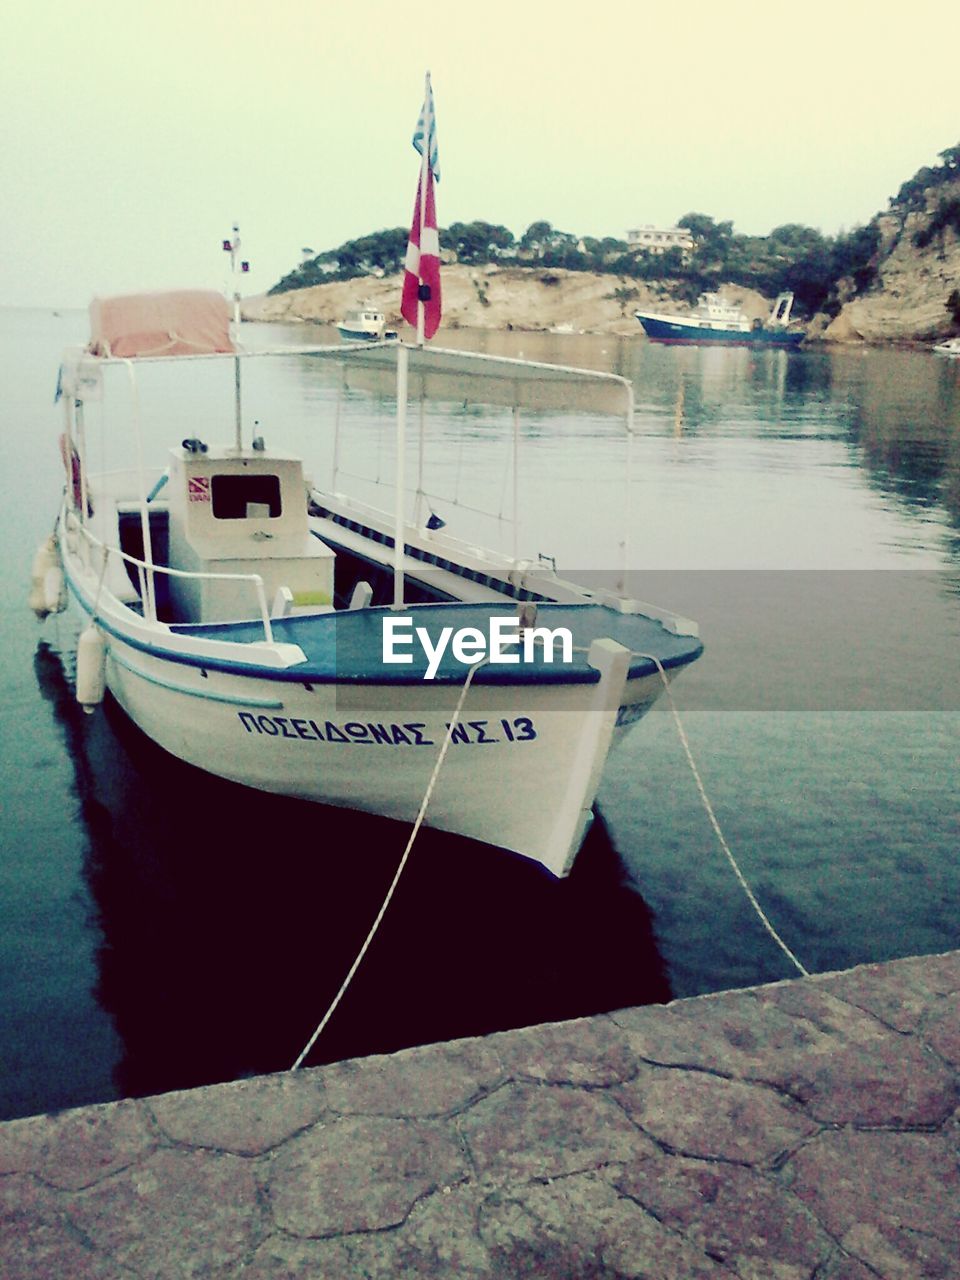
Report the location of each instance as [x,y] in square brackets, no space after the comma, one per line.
[399,525]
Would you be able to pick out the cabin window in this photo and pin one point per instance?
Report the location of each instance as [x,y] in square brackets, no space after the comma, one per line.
[242,497]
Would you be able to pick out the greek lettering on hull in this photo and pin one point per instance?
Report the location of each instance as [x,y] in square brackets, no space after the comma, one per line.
[377,733]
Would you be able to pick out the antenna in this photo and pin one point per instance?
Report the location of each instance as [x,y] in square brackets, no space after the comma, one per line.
[232,246]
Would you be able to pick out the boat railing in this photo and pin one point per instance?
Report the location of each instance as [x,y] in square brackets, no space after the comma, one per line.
[145,572]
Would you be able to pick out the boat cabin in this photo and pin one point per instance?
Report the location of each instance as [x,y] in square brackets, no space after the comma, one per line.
[242,513]
[714,312]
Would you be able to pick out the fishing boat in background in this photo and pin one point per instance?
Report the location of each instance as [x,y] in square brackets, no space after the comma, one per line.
[720,322]
[301,642]
[949,347]
[365,324]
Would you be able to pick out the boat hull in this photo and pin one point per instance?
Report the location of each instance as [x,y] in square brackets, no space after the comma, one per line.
[676,331]
[521,771]
[306,646]
[349,334]
[329,722]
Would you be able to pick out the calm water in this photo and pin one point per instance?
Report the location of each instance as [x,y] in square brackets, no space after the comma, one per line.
[159,928]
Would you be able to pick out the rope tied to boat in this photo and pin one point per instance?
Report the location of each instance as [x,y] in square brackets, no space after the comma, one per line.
[714,821]
[418,823]
[103,573]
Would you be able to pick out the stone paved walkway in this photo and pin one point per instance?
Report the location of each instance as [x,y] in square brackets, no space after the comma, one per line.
[803,1131]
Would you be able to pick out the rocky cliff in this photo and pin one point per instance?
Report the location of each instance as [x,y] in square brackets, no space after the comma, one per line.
[907,301]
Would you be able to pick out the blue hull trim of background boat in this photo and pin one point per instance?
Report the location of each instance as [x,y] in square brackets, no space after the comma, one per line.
[665,331]
[365,335]
[357,335]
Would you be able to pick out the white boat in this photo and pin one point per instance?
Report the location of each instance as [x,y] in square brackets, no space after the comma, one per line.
[296,646]
[365,324]
[949,347]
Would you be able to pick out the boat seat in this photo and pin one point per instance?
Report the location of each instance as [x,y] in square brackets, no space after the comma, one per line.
[362,595]
[289,604]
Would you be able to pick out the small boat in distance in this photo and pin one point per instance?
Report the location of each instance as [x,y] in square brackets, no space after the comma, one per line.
[302,642]
[365,324]
[720,322]
[950,347]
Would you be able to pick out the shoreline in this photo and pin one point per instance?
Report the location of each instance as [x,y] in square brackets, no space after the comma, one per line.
[820,342]
[540,300]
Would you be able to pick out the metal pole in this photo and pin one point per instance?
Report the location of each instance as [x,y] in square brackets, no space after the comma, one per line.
[238,399]
[516,478]
[150,600]
[399,526]
[336,431]
[418,505]
[237,403]
[628,479]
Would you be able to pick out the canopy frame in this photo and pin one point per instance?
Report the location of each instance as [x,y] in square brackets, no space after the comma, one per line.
[421,373]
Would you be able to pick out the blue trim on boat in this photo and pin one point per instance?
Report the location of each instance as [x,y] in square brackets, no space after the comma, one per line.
[358,636]
[233,700]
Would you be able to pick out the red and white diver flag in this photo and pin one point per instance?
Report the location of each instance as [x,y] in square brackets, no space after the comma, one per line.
[420,304]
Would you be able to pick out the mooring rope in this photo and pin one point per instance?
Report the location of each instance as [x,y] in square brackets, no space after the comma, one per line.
[708,807]
[424,804]
[103,574]
[418,823]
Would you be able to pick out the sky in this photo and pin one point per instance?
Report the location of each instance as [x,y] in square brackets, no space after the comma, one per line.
[134,135]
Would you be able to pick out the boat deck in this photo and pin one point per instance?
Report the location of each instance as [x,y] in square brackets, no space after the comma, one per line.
[347,645]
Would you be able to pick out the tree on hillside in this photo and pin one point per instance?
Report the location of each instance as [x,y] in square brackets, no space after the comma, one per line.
[854,256]
[946,214]
[624,294]
[712,238]
[912,195]
[565,253]
[536,236]
[796,238]
[477,241]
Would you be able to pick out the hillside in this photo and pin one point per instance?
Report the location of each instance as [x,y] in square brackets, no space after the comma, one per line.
[907,301]
[895,280]
[491,297]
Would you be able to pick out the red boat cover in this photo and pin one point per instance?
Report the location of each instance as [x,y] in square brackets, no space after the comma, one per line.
[186,322]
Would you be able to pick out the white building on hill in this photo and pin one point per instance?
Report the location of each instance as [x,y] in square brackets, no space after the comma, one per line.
[659,240]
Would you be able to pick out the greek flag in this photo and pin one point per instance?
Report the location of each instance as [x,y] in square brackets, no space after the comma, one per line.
[427,127]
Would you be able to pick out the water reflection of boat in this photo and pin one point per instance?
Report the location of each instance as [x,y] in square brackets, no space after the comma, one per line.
[722,323]
[213,965]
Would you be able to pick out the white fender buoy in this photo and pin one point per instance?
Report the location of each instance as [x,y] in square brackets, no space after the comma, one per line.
[91,668]
[54,590]
[46,559]
[37,601]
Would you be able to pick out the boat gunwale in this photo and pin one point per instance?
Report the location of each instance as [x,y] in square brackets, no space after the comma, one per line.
[307,673]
